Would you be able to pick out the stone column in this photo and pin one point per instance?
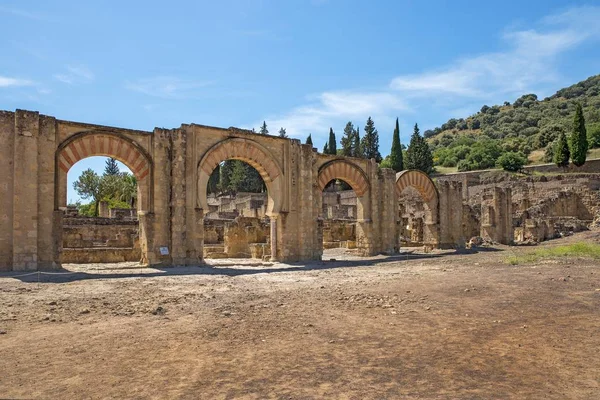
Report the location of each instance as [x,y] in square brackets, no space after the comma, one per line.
[25,194]
[273,234]
[7,136]
[146,226]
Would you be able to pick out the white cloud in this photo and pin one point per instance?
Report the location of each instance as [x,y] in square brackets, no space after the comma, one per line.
[6,81]
[335,109]
[169,87]
[75,75]
[528,62]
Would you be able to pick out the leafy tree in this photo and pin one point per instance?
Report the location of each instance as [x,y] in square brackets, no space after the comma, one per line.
[111,167]
[89,185]
[561,151]
[244,178]
[593,133]
[579,143]
[282,133]
[263,129]
[396,161]
[418,154]
[512,161]
[548,153]
[309,139]
[332,144]
[348,140]
[370,142]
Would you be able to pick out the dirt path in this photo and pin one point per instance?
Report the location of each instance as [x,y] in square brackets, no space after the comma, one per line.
[444,326]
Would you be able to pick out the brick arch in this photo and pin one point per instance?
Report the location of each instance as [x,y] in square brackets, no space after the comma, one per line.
[250,152]
[106,144]
[346,171]
[418,180]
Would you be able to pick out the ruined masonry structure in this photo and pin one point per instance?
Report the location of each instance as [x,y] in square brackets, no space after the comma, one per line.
[173,166]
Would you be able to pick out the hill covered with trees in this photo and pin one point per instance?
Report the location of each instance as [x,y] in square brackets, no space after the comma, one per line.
[527,127]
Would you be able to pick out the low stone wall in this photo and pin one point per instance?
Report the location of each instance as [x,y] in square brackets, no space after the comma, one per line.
[99,255]
[339,233]
[85,232]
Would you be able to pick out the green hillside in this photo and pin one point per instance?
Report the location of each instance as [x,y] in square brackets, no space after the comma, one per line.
[528,126]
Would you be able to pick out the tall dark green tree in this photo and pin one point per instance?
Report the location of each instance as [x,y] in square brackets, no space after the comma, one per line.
[309,139]
[356,146]
[326,148]
[332,143]
[214,180]
[282,133]
[418,154]
[396,161]
[263,129]
[561,151]
[579,143]
[370,142]
[111,167]
[348,140]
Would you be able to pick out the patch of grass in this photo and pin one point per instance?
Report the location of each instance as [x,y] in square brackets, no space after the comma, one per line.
[589,250]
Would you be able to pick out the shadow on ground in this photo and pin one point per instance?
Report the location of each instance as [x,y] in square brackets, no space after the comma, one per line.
[234,268]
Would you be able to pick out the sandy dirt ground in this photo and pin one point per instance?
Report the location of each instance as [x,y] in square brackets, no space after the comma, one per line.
[445,325]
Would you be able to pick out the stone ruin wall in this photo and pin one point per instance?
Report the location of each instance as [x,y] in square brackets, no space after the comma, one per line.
[534,208]
[98,239]
[172,167]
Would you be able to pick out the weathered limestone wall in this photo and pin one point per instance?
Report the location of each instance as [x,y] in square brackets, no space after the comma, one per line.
[90,232]
[172,167]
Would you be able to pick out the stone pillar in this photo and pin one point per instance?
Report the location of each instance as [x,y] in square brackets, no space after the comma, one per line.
[496,215]
[161,219]
[147,248]
[178,197]
[25,195]
[273,233]
[7,137]
[450,214]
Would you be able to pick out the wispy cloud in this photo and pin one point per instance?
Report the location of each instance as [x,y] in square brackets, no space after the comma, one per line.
[6,81]
[75,74]
[22,13]
[335,108]
[168,87]
[528,62]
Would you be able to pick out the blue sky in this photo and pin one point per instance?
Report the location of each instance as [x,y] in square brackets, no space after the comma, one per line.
[304,65]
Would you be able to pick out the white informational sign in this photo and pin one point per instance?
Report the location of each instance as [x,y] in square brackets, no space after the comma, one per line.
[164,251]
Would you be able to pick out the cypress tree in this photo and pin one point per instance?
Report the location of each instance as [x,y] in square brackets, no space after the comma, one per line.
[309,139]
[326,149]
[348,140]
[263,129]
[579,143]
[370,142]
[418,155]
[356,146]
[561,151]
[332,145]
[111,167]
[396,154]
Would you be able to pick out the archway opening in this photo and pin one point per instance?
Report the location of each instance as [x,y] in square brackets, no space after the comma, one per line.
[417,217]
[412,214]
[236,223]
[100,222]
[340,207]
